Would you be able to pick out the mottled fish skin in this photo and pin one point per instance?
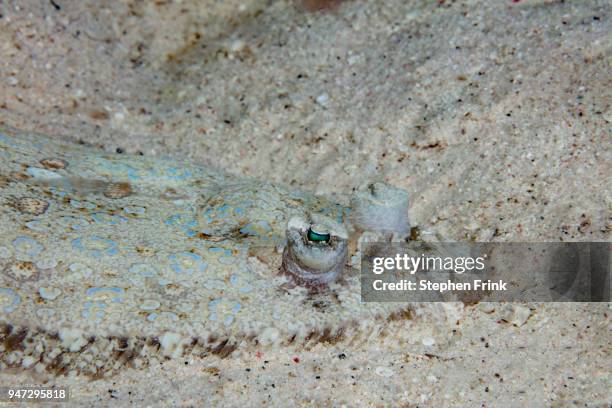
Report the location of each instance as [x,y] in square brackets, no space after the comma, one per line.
[97,244]
[172,247]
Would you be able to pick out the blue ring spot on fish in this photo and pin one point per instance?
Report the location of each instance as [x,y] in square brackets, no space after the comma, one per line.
[95,246]
[27,246]
[13,297]
[186,262]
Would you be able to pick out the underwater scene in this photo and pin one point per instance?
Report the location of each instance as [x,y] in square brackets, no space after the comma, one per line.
[309,203]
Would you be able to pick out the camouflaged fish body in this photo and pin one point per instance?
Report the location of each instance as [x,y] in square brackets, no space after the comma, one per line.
[108,246]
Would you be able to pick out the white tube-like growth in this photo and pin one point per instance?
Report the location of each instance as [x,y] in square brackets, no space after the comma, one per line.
[381,208]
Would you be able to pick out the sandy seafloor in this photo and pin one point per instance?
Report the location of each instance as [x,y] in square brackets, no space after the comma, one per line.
[494,115]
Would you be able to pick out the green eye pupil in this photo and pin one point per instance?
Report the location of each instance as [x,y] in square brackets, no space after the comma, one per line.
[317,237]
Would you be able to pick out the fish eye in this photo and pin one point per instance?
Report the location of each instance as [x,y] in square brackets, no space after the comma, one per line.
[318,233]
[311,257]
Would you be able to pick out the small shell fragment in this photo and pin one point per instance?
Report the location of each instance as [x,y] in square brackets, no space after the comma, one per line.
[54,163]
